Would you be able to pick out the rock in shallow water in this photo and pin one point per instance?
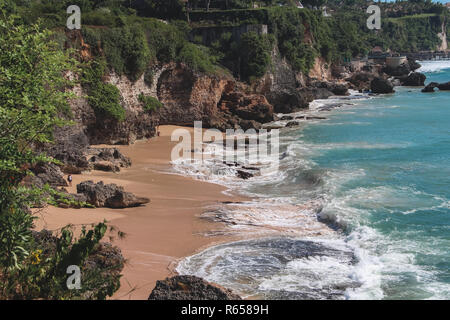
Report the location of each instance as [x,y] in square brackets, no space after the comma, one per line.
[380,85]
[415,79]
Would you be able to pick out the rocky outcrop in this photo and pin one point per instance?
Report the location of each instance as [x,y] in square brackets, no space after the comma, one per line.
[77,158]
[381,86]
[441,86]
[414,79]
[218,101]
[430,87]
[109,195]
[402,70]
[288,100]
[444,86]
[247,107]
[413,64]
[189,288]
[48,173]
[98,129]
[107,159]
[361,80]
[332,88]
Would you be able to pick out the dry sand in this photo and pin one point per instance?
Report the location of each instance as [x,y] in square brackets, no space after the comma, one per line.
[158,234]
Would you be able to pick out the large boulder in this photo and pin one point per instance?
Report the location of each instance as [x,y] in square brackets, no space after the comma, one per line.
[380,85]
[109,195]
[189,288]
[415,79]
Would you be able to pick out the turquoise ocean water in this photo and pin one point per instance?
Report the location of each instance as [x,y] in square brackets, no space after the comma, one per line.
[381,169]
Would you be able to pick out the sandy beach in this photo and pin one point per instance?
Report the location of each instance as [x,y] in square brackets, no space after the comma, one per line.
[159,233]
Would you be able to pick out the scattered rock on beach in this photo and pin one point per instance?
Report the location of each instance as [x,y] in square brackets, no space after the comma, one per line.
[109,195]
[189,288]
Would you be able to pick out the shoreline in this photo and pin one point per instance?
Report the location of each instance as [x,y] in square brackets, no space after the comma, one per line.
[160,233]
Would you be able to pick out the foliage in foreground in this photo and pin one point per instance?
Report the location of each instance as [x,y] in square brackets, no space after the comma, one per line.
[33,98]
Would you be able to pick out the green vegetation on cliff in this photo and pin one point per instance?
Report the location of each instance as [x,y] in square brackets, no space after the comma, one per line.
[104,98]
[149,103]
[128,34]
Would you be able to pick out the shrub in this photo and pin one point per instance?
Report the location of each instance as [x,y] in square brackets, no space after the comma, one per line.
[255,55]
[197,57]
[149,103]
[104,98]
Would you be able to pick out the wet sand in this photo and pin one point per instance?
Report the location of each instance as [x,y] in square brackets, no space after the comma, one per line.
[160,233]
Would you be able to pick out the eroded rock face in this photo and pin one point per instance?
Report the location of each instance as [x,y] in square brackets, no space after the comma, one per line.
[217,101]
[380,85]
[109,195]
[189,288]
